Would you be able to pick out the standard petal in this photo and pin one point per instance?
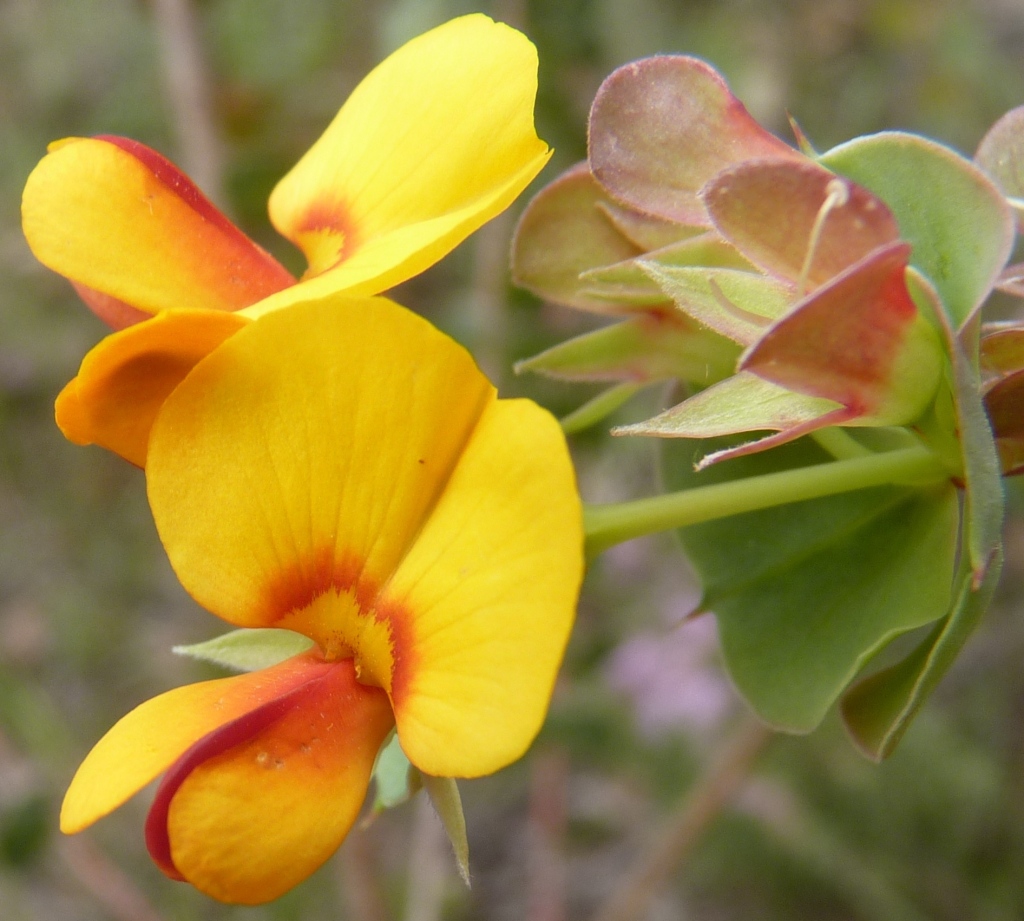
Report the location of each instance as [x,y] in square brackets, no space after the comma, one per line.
[487,597]
[293,469]
[114,216]
[125,379]
[245,816]
[437,140]
[147,741]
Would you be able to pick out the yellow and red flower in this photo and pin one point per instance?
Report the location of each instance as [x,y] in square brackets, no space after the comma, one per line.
[436,141]
[365,487]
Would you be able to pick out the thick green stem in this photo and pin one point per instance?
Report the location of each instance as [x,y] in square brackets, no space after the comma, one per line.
[607,525]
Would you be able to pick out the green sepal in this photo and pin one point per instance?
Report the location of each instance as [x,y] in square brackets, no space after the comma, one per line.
[395,779]
[248,650]
[648,347]
[958,222]
[444,795]
[805,594]
[878,709]
[983,485]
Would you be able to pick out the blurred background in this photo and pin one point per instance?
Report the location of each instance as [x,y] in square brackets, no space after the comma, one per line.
[234,91]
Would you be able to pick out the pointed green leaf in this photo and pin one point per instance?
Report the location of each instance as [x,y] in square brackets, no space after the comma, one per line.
[878,709]
[630,283]
[651,346]
[444,795]
[957,221]
[662,127]
[985,502]
[739,305]
[806,593]
[740,403]
[772,210]
[562,233]
[248,650]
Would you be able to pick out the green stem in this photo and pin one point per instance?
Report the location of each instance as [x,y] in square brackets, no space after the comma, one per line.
[607,525]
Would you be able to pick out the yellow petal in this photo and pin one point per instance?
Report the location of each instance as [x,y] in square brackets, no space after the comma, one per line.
[125,379]
[114,216]
[143,744]
[251,822]
[293,469]
[363,486]
[487,596]
[437,140]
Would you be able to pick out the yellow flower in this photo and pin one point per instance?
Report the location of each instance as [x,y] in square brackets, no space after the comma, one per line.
[343,470]
[436,141]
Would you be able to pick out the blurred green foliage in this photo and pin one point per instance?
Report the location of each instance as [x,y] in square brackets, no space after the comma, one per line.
[89,608]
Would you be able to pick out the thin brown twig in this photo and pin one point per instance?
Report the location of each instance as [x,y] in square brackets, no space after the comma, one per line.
[680,835]
[187,83]
[549,817]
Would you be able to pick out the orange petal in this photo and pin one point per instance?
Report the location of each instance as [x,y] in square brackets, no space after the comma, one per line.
[125,379]
[115,216]
[256,806]
[154,735]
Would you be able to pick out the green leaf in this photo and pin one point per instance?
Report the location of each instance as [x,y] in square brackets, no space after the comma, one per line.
[958,222]
[444,794]
[248,650]
[736,304]
[395,779]
[649,347]
[878,709]
[806,593]
[985,502]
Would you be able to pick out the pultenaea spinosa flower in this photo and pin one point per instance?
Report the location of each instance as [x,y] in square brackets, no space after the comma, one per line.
[363,486]
[436,141]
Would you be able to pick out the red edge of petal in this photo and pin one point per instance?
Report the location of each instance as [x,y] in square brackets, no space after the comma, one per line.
[180,185]
[299,587]
[214,743]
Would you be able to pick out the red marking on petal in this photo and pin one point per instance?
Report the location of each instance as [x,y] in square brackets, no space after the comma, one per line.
[323,572]
[263,273]
[403,648]
[316,575]
[209,746]
[326,233]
